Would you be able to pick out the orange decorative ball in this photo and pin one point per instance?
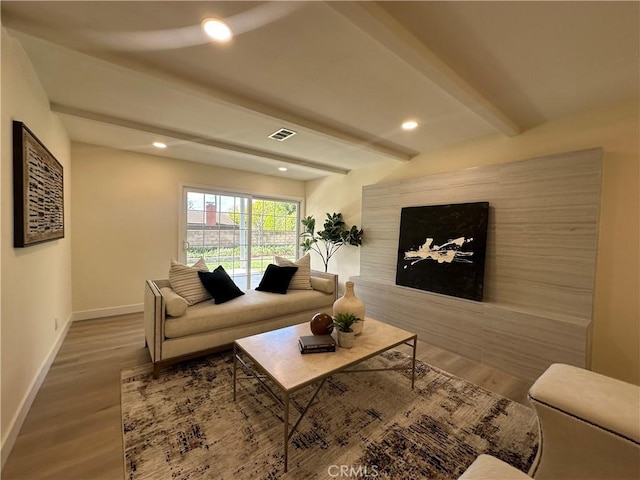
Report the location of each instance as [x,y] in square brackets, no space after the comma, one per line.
[321,324]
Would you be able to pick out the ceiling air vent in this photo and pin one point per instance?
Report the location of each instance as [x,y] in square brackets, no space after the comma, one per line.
[282,134]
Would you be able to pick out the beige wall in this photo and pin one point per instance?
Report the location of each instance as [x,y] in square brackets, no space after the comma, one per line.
[35,281]
[127,205]
[616,329]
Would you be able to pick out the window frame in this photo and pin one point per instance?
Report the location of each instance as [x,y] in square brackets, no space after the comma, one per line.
[184,188]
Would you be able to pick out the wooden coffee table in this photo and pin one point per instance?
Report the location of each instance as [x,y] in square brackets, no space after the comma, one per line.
[275,355]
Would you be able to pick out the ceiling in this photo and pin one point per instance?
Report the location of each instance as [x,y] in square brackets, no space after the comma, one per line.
[342,75]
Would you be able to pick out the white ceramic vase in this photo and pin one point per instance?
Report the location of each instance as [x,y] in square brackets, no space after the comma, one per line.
[349,303]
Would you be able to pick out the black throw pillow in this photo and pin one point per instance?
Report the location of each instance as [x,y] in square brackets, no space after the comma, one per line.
[220,285]
[276,279]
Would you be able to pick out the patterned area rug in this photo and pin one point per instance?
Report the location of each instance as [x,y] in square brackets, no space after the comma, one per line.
[185,425]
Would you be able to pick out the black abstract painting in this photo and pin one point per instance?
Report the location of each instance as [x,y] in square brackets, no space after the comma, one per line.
[442,248]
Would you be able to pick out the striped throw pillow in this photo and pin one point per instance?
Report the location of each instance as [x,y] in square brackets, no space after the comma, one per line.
[185,282]
[302,278]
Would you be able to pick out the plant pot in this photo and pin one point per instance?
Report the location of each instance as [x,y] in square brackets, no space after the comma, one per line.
[346,339]
[349,303]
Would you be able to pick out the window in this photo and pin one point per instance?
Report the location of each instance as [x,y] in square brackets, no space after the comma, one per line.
[240,232]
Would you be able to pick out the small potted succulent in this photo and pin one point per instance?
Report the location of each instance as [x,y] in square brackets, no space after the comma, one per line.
[343,323]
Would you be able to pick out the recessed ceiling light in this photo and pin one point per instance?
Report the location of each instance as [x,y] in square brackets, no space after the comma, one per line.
[409,125]
[282,169]
[217,29]
[159,145]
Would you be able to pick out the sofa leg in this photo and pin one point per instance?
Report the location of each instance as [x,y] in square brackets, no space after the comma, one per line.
[156,369]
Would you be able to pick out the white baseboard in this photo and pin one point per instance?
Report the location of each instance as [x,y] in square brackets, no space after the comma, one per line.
[106,312]
[18,419]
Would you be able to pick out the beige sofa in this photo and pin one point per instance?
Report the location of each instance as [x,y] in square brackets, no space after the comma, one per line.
[207,327]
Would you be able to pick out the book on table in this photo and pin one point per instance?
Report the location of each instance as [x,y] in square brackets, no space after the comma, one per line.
[316,344]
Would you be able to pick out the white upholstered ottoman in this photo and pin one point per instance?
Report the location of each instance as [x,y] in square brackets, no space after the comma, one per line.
[589,429]
[589,425]
[486,467]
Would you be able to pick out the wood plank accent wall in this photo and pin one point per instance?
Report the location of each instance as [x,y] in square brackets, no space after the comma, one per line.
[540,264]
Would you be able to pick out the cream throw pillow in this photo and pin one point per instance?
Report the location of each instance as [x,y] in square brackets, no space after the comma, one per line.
[174,304]
[186,283]
[322,284]
[302,278]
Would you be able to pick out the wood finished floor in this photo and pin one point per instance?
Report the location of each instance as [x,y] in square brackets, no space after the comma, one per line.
[73,428]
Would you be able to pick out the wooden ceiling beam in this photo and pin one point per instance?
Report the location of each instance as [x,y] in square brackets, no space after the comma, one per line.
[189,137]
[383,28]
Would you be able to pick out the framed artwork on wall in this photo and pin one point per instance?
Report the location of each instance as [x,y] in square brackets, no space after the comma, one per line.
[442,249]
[38,190]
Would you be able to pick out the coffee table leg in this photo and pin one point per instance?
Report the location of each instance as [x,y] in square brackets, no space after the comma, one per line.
[286,432]
[235,366]
[413,364]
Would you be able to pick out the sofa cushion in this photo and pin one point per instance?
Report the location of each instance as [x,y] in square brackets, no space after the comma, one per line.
[174,304]
[276,279]
[185,282]
[220,285]
[252,307]
[323,284]
[302,278]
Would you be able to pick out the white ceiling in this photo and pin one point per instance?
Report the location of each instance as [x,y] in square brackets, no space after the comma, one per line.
[343,75]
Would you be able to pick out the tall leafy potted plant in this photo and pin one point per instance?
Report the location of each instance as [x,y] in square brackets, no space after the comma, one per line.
[328,241]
